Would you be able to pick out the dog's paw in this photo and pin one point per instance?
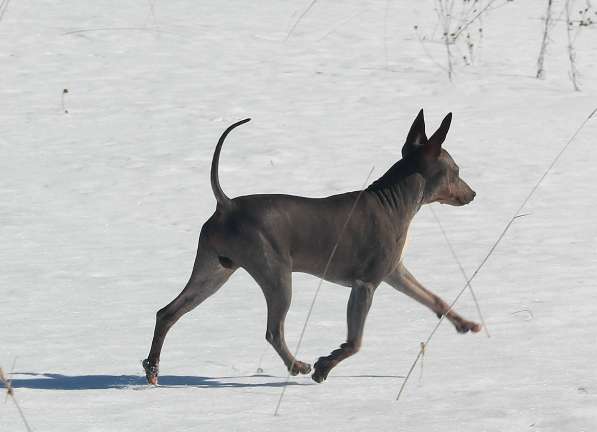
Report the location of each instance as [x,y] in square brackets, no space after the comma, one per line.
[300,367]
[322,369]
[464,326]
[151,372]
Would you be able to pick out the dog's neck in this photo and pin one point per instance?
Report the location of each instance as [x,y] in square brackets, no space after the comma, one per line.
[401,188]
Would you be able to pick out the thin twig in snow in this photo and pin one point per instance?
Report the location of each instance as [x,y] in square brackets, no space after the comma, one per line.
[541,58]
[570,47]
[299,19]
[340,24]
[462,271]
[141,29]
[10,393]
[473,19]
[3,7]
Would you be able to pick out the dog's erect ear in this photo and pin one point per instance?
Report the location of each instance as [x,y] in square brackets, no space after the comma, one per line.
[434,145]
[416,135]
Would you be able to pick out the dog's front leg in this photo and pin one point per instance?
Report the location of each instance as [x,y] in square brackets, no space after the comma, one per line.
[359,304]
[402,280]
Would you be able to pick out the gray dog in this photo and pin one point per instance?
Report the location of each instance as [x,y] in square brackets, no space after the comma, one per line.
[271,236]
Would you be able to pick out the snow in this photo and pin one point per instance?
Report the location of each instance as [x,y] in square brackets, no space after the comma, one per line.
[100,210]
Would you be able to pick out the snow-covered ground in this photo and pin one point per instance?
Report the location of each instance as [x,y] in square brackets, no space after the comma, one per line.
[100,210]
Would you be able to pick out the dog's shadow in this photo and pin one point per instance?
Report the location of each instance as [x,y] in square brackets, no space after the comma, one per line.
[51,381]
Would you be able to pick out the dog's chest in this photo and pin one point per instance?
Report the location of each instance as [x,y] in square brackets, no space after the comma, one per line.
[403,249]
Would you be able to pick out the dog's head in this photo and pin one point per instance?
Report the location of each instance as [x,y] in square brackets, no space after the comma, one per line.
[442,181]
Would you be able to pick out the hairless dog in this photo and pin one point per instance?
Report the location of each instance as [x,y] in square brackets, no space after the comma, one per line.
[271,236]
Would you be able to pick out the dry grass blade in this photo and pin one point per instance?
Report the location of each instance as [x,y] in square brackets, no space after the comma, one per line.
[3,7]
[10,393]
[300,18]
[462,271]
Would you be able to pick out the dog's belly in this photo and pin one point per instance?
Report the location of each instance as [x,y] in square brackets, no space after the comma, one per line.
[327,278]
[368,263]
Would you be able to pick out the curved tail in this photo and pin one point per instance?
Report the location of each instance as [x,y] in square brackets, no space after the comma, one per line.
[221,197]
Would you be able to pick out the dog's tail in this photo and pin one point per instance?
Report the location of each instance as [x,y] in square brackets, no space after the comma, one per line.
[221,197]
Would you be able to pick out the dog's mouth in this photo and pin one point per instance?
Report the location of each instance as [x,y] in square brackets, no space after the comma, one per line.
[454,201]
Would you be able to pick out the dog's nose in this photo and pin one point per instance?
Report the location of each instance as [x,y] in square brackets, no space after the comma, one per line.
[473,195]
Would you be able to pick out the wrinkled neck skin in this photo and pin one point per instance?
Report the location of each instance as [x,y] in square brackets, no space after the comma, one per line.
[401,190]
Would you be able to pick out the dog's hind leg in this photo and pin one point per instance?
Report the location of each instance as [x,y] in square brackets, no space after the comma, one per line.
[208,275]
[402,280]
[275,280]
[359,304]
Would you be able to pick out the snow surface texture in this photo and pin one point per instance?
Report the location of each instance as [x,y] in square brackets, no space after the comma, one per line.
[100,211]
